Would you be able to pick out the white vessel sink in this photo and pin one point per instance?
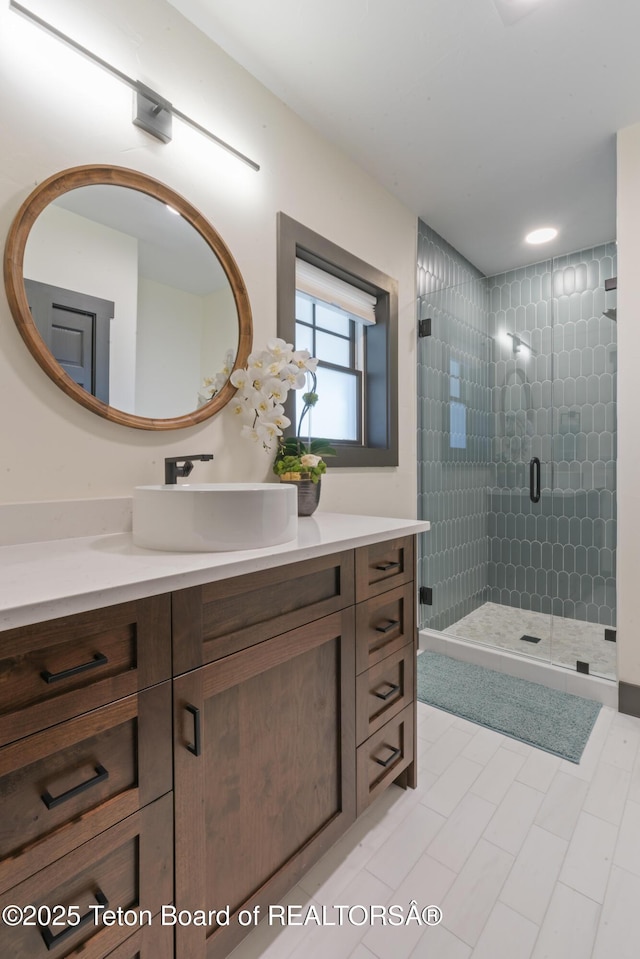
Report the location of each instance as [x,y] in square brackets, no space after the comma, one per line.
[213,517]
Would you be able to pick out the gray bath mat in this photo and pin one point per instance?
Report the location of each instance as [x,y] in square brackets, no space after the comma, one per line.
[559,723]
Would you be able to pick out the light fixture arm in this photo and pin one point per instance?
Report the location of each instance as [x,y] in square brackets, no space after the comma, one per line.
[153,112]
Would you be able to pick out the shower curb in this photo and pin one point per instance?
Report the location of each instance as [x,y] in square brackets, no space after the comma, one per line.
[603,691]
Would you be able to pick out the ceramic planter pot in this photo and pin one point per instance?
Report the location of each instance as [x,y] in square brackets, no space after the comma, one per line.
[308,495]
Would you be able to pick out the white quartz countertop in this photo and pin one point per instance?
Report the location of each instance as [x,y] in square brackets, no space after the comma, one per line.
[45,580]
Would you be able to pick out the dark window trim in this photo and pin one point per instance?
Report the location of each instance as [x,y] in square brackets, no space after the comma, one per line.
[381,341]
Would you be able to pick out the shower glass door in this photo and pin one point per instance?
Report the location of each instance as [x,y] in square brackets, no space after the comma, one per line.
[516,382]
[584,456]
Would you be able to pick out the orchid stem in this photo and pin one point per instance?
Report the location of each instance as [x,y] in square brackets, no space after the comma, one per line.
[305,410]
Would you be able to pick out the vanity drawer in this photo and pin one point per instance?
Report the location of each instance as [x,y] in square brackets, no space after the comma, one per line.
[61,787]
[384,625]
[383,691]
[218,619]
[384,756]
[129,866]
[53,671]
[382,566]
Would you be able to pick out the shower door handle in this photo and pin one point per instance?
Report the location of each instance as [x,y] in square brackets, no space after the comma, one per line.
[534,480]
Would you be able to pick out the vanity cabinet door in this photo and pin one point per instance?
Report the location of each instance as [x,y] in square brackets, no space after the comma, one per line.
[264,773]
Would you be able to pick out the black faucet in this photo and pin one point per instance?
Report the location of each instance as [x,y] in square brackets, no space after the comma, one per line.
[172,470]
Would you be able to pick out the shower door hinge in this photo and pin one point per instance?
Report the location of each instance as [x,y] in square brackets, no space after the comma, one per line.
[582,667]
[426,596]
[610,635]
[424,328]
[611,284]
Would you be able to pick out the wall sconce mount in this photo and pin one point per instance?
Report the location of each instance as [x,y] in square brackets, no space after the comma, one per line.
[152,113]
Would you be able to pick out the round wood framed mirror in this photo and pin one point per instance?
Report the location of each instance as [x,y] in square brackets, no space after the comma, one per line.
[127,297]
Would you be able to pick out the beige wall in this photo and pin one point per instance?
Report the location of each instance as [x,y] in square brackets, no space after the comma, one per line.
[628,304]
[58,110]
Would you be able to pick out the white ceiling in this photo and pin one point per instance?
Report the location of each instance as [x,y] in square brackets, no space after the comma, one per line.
[487,118]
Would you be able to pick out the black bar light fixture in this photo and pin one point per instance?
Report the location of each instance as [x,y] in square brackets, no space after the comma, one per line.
[152,112]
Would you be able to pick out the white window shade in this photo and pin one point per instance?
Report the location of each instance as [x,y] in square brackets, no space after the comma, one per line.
[323,286]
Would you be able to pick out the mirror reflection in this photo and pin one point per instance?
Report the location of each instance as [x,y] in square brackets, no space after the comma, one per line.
[130,299]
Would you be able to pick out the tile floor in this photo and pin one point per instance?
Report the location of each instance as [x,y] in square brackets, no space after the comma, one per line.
[528,856]
[562,641]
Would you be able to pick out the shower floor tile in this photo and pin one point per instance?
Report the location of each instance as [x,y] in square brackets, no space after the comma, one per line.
[562,641]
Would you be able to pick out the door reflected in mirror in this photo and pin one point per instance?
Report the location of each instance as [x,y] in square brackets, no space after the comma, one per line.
[127,297]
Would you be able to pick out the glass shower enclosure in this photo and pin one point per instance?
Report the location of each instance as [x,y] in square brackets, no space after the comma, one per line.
[517,459]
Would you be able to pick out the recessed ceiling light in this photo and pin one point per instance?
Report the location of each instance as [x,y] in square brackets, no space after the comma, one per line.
[543,235]
[513,10]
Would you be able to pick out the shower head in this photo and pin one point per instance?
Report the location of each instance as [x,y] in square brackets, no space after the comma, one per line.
[611,315]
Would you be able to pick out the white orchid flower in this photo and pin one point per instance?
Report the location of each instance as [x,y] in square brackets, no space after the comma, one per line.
[261,402]
[273,367]
[304,361]
[263,387]
[293,377]
[255,359]
[277,416]
[276,388]
[268,432]
[240,379]
[279,347]
[257,379]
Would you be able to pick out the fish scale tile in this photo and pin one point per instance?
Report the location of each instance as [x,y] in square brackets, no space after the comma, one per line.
[484,526]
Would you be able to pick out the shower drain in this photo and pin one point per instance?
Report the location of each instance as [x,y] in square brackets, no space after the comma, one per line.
[530,639]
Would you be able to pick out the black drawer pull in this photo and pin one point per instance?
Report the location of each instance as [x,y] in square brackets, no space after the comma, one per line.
[390,625]
[52,801]
[194,747]
[393,688]
[392,758]
[387,566]
[98,660]
[52,941]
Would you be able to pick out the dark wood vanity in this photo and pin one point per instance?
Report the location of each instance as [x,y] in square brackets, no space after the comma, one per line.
[203,748]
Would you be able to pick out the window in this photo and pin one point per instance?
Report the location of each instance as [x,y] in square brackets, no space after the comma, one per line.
[345,313]
[337,341]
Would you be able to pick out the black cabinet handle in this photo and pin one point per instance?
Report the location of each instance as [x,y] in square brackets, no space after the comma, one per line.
[392,758]
[52,941]
[98,660]
[390,625]
[195,746]
[387,566]
[534,480]
[393,688]
[52,801]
